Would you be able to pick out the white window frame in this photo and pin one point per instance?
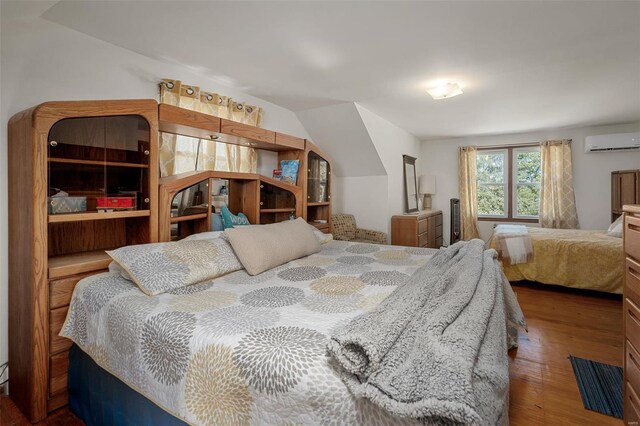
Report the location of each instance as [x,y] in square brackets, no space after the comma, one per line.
[515,183]
[505,182]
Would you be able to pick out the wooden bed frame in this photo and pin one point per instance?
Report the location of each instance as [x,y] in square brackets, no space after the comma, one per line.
[49,254]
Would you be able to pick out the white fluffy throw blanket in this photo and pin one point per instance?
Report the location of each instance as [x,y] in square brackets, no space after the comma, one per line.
[514,244]
[436,348]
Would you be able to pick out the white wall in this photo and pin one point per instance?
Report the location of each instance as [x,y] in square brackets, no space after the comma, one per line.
[591,172]
[367,156]
[365,197]
[42,61]
[338,129]
[391,143]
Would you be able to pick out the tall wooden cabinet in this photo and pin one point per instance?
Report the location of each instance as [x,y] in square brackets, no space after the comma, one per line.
[632,314]
[625,190]
[69,162]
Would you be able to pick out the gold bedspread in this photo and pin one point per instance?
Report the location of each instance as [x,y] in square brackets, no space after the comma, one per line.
[572,258]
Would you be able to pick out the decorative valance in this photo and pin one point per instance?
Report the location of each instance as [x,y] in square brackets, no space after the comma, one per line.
[180,154]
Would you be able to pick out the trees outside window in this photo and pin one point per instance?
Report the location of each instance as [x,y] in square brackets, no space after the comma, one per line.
[509,183]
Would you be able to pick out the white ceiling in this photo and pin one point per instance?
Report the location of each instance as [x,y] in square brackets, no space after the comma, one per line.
[522,65]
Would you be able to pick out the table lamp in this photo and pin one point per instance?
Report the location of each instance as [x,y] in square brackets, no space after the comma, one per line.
[427,185]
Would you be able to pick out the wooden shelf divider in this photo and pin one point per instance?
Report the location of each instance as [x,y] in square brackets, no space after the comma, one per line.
[75,217]
[185,218]
[78,263]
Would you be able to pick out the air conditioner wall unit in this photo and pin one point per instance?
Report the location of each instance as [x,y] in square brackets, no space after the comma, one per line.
[612,142]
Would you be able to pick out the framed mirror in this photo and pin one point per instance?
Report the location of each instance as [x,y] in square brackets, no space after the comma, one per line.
[410,184]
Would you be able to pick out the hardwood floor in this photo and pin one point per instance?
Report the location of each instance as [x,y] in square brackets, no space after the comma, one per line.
[543,388]
[561,322]
[11,416]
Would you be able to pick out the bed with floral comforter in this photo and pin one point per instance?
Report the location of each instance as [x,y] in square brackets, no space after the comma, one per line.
[242,349]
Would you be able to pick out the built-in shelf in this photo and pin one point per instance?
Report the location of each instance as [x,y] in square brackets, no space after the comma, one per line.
[185,218]
[78,263]
[75,217]
[284,210]
[322,203]
[319,225]
[98,163]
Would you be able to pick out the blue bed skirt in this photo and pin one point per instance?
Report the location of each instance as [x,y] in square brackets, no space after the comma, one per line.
[99,398]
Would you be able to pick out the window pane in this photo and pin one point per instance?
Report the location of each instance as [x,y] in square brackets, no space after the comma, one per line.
[528,166]
[490,167]
[528,197]
[491,200]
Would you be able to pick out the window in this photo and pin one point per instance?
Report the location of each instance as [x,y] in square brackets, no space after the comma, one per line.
[509,183]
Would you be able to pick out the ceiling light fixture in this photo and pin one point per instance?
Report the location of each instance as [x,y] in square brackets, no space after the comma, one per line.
[445,90]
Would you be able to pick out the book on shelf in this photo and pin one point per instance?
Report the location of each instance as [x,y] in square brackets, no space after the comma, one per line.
[289,171]
[277,174]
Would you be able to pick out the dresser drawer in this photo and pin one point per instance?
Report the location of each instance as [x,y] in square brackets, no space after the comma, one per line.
[632,280]
[631,405]
[60,290]
[632,236]
[56,321]
[423,239]
[632,365]
[632,323]
[57,401]
[438,220]
[423,225]
[58,372]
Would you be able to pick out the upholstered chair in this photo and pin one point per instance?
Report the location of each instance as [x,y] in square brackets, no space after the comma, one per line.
[343,227]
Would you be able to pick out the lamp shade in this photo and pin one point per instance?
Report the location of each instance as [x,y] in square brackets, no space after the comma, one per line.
[427,184]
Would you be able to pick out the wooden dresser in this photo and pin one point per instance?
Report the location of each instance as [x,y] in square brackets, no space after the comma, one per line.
[632,314]
[422,229]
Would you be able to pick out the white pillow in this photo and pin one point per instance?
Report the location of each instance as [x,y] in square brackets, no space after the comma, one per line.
[321,236]
[615,229]
[115,268]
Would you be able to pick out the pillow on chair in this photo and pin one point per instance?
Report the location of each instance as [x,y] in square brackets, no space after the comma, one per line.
[231,220]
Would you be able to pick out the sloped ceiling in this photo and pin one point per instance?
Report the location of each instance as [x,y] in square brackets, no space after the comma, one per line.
[523,65]
[340,131]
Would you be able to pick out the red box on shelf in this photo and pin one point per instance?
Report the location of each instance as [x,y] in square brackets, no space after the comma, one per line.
[116,202]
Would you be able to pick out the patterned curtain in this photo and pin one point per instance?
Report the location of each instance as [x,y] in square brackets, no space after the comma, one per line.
[557,200]
[180,154]
[467,187]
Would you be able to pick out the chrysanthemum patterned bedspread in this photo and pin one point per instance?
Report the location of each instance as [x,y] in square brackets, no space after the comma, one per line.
[242,349]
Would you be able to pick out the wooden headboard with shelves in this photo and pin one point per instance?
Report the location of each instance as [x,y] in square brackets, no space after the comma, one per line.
[261,199]
[95,150]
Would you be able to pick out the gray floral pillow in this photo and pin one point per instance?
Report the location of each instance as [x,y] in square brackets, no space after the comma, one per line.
[160,267]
